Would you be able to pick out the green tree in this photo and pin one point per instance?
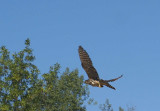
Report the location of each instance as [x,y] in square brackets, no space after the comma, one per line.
[65,92]
[22,89]
[130,108]
[121,109]
[17,76]
[106,106]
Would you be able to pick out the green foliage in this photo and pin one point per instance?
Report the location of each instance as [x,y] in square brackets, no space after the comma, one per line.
[121,109]
[106,106]
[130,108]
[65,92]
[22,90]
[17,75]
[92,101]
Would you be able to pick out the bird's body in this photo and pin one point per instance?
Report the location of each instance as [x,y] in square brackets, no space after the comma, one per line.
[87,65]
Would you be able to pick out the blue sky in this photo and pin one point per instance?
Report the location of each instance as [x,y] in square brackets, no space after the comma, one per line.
[121,37]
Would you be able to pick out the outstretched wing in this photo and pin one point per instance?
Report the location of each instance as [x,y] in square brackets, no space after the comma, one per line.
[87,64]
[106,82]
[111,80]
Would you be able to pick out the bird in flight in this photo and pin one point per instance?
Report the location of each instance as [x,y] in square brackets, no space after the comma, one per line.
[87,65]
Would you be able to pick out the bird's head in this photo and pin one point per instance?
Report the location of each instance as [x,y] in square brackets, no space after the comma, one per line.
[87,81]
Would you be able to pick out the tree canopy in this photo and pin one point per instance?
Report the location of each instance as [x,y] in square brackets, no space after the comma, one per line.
[24,88]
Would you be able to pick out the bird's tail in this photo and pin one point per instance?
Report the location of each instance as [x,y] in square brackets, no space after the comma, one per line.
[103,82]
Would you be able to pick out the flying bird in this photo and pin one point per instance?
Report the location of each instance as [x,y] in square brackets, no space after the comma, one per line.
[87,65]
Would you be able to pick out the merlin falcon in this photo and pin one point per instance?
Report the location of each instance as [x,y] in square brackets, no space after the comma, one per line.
[87,65]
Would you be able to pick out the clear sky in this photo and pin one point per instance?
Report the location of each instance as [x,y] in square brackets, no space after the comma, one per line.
[121,37]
